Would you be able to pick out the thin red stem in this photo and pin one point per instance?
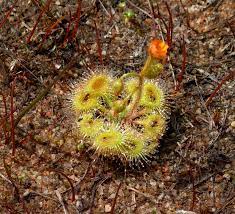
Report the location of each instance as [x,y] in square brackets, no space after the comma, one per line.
[86,50]
[7,15]
[153,17]
[78,16]
[226,78]
[183,66]
[69,180]
[193,188]
[160,17]
[115,199]
[49,29]
[38,20]
[170,26]
[4,119]
[67,29]
[12,119]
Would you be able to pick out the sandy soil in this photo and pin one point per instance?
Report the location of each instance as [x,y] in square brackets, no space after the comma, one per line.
[47,46]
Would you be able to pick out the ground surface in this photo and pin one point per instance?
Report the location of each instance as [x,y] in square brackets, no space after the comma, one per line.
[194,167]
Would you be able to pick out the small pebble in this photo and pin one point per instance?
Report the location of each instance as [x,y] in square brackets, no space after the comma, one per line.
[112,196]
[161,185]
[199,111]
[227,176]
[233,124]
[153,182]
[184,212]
[107,208]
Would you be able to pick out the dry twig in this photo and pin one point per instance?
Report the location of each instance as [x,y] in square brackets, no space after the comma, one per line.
[44,91]
[59,196]
[115,198]
[94,190]
[68,179]
[146,195]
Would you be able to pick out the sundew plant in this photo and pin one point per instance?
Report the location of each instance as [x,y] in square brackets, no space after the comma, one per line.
[123,117]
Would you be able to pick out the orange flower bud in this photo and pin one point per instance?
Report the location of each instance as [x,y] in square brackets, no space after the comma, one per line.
[158,49]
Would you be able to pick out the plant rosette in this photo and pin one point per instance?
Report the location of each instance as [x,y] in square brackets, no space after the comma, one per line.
[123,117]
